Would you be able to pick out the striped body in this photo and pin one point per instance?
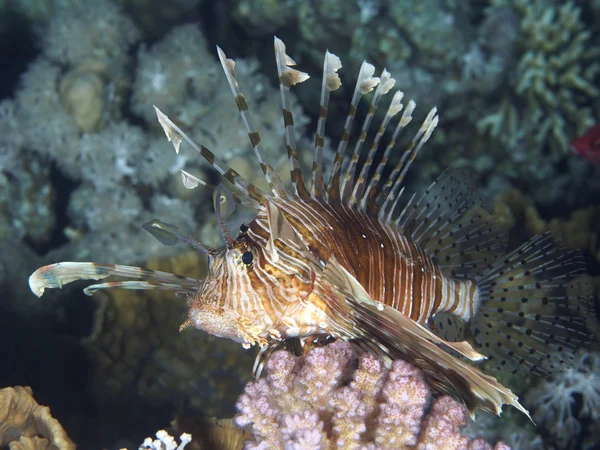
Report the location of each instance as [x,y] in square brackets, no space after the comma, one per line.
[277,296]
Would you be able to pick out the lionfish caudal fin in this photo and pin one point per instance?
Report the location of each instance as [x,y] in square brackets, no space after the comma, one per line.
[363,191]
[533,308]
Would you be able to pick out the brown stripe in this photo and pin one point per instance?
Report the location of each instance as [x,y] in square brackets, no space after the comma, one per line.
[352,111]
[345,136]
[322,112]
[372,109]
[288,118]
[363,135]
[437,296]
[417,284]
[254,138]
[207,154]
[241,102]
[319,141]
[297,177]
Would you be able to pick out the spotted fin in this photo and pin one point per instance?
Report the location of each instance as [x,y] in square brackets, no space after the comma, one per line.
[396,335]
[59,274]
[533,308]
[450,224]
[448,326]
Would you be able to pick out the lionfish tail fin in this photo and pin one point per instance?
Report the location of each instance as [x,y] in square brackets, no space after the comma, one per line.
[387,330]
[59,274]
[533,306]
[253,196]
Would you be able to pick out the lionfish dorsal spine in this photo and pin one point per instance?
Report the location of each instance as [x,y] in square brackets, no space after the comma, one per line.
[385,84]
[271,176]
[255,196]
[331,82]
[191,182]
[422,136]
[364,84]
[370,191]
[288,76]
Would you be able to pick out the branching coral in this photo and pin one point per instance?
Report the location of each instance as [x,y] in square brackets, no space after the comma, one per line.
[322,401]
[555,80]
[24,424]
[554,404]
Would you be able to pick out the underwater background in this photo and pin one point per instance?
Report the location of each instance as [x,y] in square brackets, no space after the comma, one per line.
[84,162]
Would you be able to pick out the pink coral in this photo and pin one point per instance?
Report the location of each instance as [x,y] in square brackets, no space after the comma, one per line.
[330,399]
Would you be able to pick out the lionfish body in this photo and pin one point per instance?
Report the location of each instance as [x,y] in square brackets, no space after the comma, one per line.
[344,258]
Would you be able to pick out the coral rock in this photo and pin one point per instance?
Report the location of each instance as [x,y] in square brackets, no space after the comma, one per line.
[24,424]
[324,401]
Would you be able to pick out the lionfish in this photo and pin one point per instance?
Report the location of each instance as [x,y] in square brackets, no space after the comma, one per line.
[345,259]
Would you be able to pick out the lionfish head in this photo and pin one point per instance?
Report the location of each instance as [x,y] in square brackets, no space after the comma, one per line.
[265,268]
[216,306]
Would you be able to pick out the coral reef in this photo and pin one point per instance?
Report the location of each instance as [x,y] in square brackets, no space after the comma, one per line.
[322,400]
[555,81]
[24,424]
[581,229]
[211,433]
[164,441]
[554,401]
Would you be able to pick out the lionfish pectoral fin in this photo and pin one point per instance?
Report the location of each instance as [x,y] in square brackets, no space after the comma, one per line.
[453,227]
[401,337]
[59,274]
[535,307]
[336,275]
[168,234]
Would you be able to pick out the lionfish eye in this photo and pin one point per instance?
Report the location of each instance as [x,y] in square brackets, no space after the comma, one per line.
[247,258]
[243,228]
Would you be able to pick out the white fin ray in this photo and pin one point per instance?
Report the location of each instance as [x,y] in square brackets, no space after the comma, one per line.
[254,196]
[331,82]
[270,175]
[289,77]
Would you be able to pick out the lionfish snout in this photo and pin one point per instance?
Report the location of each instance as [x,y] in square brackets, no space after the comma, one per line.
[225,294]
[216,320]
